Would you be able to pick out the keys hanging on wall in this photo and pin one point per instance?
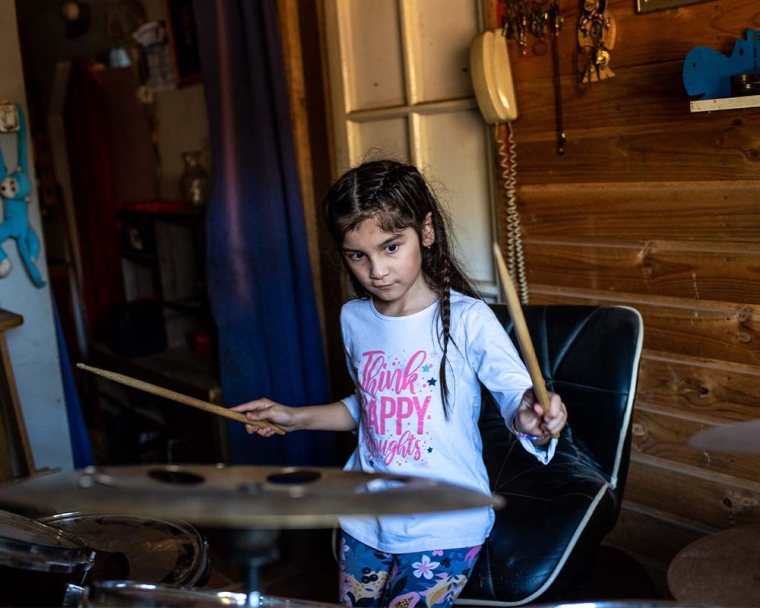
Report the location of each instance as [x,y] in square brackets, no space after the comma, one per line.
[524,19]
[596,38]
[537,18]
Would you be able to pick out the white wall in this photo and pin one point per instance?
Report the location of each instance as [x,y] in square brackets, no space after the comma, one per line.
[32,346]
[182,127]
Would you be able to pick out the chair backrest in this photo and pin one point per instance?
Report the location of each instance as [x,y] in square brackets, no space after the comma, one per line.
[590,355]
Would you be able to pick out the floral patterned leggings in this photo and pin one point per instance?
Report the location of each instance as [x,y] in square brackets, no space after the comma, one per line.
[369,577]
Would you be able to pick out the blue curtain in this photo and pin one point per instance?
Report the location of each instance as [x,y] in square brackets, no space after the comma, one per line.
[260,282]
[81,450]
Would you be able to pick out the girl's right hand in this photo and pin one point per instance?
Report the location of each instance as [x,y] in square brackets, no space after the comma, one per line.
[266,410]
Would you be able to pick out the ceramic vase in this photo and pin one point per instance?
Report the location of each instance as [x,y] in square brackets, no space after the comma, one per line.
[195,183]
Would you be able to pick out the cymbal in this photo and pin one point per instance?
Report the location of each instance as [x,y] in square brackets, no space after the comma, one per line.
[720,569]
[240,495]
[737,438]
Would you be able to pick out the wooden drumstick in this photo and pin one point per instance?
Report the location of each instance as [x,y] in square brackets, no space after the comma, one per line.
[179,397]
[523,336]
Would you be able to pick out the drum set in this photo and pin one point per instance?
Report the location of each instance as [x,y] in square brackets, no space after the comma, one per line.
[118,536]
[124,536]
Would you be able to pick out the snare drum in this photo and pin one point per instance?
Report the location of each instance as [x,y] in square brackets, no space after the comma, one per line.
[159,551]
[109,594]
[39,562]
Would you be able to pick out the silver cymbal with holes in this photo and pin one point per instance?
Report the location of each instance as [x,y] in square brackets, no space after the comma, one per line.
[239,495]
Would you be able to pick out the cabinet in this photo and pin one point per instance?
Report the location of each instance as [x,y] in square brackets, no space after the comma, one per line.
[163,262]
[141,428]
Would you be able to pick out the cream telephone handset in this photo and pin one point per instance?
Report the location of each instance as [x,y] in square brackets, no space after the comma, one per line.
[492,77]
[495,92]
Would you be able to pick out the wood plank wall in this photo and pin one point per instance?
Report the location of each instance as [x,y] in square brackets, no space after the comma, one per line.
[657,208]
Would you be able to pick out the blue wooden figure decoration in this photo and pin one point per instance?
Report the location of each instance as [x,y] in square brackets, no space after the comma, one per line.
[16,190]
[708,72]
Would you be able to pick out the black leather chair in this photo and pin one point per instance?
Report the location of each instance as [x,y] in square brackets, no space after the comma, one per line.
[556,515]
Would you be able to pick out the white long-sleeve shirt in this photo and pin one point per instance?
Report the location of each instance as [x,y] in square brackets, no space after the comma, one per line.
[394,363]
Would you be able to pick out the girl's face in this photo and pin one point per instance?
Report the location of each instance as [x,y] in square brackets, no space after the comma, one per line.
[389,266]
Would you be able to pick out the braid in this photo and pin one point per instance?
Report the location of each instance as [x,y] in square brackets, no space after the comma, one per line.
[444,311]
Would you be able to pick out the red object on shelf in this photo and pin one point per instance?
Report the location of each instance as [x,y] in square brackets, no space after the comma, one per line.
[200,341]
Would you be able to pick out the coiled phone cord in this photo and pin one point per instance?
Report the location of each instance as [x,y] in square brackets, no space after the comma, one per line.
[508,164]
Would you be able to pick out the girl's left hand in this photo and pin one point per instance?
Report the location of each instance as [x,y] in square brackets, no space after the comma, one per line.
[533,420]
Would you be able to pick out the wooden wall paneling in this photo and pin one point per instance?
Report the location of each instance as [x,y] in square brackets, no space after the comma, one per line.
[642,95]
[673,152]
[697,211]
[670,34]
[689,492]
[665,436]
[708,330]
[643,98]
[702,389]
[679,269]
[624,129]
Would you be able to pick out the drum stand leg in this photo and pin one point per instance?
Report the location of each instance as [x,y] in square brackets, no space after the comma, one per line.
[253,549]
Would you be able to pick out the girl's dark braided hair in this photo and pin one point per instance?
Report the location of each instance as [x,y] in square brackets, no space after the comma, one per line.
[397,196]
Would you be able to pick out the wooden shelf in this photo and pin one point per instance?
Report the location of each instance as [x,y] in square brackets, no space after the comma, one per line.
[16,458]
[725,103]
[150,259]
[9,320]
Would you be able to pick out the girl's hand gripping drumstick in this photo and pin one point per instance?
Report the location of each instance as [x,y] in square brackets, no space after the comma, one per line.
[178,397]
[523,336]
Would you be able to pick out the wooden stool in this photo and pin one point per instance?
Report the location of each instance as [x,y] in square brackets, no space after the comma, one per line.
[16,458]
[722,569]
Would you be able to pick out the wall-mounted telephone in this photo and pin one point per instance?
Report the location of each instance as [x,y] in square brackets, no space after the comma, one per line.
[492,77]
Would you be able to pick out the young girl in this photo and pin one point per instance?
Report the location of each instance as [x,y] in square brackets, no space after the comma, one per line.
[418,344]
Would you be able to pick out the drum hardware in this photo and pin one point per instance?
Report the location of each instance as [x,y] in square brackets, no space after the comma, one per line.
[250,503]
[178,397]
[126,593]
[151,550]
[54,561]
[41,561]
[72,597]
[107,566]
[252,549]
